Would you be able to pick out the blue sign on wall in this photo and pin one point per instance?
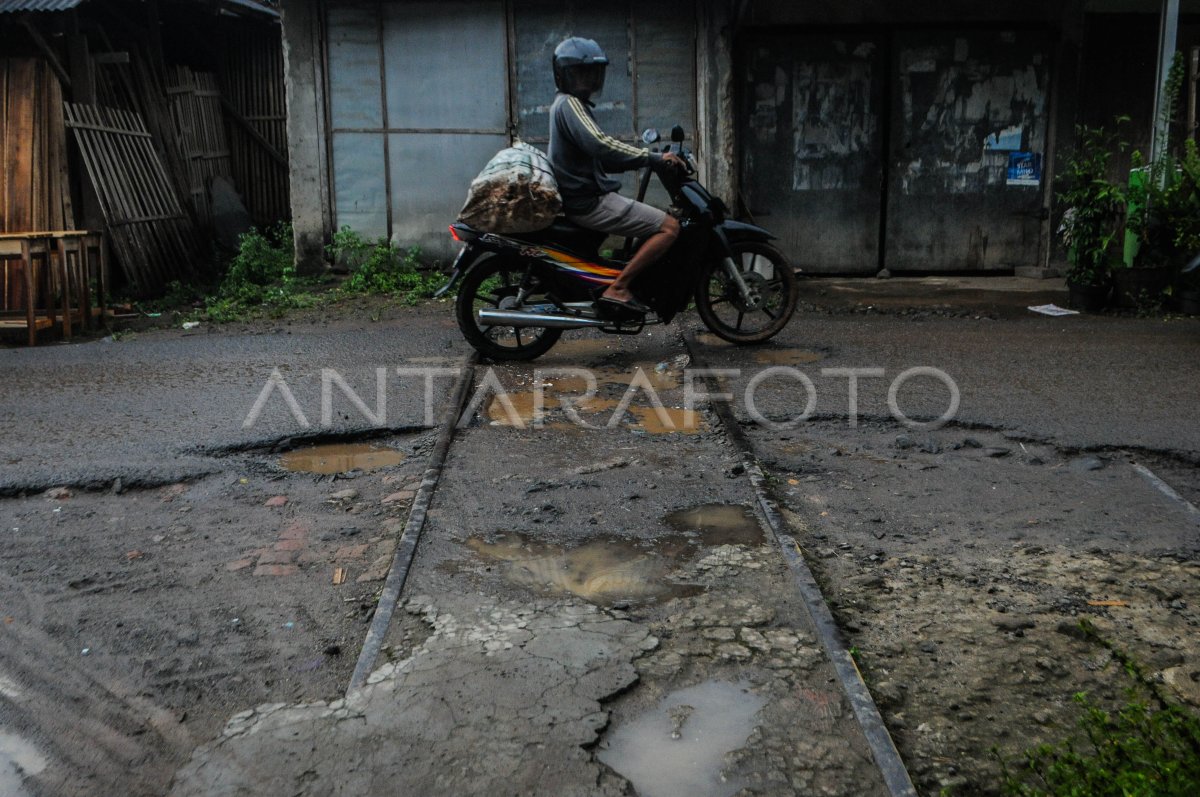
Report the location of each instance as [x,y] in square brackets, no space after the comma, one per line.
[1024,168]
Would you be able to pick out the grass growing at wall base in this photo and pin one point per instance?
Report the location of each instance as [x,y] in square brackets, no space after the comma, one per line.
[261,278]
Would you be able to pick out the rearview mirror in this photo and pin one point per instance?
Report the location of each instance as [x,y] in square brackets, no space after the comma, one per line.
[650,136]
[677,134]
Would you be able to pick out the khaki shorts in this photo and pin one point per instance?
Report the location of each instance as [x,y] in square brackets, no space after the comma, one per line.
[618,215]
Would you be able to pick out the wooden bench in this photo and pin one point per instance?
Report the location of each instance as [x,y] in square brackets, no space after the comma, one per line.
[54,264]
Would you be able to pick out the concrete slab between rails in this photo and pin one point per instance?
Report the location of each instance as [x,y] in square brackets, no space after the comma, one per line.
[500,699]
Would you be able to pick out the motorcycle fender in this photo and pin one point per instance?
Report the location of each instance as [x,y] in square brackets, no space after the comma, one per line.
[741,231]
[466,256]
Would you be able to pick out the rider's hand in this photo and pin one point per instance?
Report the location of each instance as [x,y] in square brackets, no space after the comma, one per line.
[674,161]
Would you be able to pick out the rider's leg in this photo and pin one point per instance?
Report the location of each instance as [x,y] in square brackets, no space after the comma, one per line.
[650,251]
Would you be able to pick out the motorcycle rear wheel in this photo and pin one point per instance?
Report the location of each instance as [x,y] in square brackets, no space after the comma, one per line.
[495,283]
[768,274]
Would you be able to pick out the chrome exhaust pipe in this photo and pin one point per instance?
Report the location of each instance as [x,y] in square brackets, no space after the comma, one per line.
[517,318]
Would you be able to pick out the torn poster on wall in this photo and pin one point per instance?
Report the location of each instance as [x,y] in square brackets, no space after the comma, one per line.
[1007,140]
[966,104]
[1024,168]
[833,122]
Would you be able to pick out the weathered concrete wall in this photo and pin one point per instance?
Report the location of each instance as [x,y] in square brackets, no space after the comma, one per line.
[715,110]
[304,81]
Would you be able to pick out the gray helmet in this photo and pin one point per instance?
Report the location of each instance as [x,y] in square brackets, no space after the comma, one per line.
[579,66]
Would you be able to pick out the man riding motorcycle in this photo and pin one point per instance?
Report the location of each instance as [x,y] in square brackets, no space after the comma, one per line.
[583,155]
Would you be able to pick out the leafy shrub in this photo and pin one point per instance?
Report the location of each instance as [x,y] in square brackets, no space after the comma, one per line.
[381,267]
[1093,225]
[1167,217]
[261,275]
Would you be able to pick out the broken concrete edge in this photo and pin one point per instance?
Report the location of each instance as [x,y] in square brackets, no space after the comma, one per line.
[1067,448]
[883,748]
[274,445]
[127,483]
[407,548]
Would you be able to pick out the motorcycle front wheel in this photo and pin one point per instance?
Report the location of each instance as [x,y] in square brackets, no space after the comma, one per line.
[495,283]
[773,292]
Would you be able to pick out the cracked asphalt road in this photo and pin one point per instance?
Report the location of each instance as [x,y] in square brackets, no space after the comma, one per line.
[664,579]
[145,410]
[151,594]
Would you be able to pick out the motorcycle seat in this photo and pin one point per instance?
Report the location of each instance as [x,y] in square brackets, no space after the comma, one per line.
[565,235]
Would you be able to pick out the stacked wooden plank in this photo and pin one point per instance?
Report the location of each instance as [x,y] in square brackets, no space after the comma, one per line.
[256,107]
[34,191]
[153,235]
[200,128]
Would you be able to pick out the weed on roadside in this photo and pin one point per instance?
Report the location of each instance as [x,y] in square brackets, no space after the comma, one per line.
[261,279]
[1148,747]
[261,276]
[382,268]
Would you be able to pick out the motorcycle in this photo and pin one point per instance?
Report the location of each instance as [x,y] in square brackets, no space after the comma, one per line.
[517,293]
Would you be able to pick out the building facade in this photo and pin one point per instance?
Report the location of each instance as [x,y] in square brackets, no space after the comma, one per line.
[917,137]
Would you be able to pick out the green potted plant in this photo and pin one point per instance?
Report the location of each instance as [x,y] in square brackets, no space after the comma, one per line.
[1183,219]
[1093,225]
[1167,224]
[1145,271]
[1162,208]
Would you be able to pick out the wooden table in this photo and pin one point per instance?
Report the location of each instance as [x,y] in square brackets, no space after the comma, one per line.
[68,265]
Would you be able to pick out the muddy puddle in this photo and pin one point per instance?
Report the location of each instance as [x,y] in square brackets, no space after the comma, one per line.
[709,339]
[791,357]
[567,393]
[340,458]
[608,568]
[18,759]
[718,524]
[602,571]
[565,401]
[667,420]
[679,746]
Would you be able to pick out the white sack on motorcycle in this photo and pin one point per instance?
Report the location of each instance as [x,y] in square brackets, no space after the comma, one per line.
[516,192]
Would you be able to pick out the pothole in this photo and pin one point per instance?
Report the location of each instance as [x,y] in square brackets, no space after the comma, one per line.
[18,760]
[779,356]
[680,745]
[340,458]
[609,568]
[718,524]
[561,402]
[603,570]
[667,420]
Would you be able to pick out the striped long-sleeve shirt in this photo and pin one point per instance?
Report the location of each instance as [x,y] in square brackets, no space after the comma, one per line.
[583,155]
